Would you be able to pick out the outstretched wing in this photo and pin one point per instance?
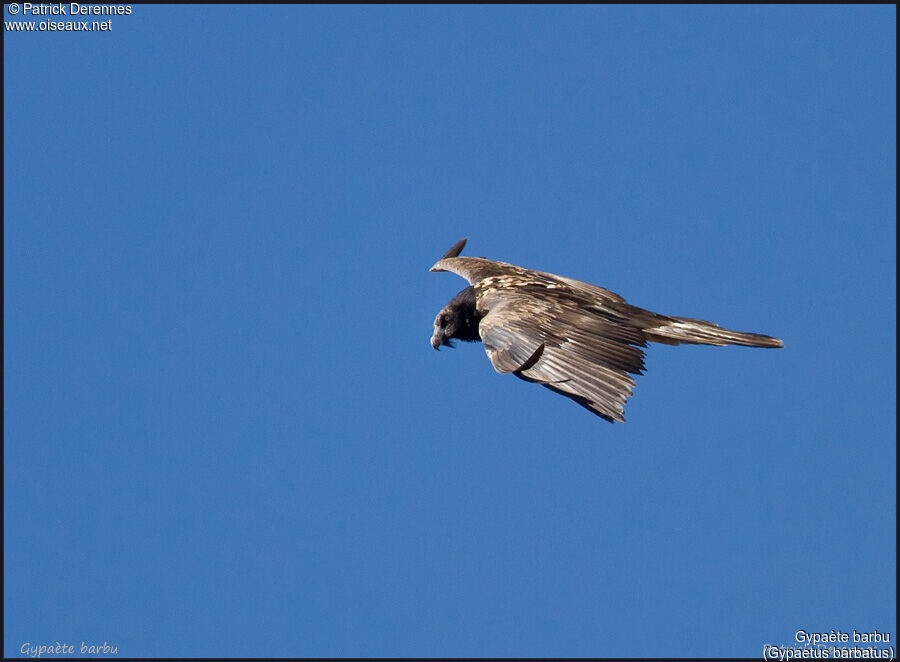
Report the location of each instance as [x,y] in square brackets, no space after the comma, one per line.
[572,345]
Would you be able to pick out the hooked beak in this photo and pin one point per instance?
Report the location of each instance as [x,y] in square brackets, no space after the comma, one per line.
[438,340]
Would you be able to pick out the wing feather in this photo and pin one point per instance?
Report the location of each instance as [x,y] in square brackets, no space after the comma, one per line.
[551,339]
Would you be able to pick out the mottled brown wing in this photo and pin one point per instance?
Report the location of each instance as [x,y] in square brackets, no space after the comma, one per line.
[575,347]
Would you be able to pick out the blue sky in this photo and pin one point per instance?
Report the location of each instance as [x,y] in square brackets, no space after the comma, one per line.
[226,432]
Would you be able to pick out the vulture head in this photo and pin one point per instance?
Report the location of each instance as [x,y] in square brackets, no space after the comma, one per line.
[457,320]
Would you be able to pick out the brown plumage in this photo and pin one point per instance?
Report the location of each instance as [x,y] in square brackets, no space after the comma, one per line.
[577,339]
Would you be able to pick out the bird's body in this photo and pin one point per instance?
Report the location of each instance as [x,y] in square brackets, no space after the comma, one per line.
[575,338]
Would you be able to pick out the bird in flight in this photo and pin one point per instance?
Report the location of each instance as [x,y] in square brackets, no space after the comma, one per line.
[577,339]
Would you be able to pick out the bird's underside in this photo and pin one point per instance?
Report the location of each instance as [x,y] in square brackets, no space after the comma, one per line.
[577,339]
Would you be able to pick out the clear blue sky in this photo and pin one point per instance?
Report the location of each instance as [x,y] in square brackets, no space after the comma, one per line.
[226,432]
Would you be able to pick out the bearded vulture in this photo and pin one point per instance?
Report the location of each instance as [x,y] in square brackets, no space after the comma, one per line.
[577,339]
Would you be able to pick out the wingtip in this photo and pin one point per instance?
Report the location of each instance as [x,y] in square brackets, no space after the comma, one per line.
[456,249]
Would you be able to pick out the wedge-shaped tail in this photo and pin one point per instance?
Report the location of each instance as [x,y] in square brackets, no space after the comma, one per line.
[677,330]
